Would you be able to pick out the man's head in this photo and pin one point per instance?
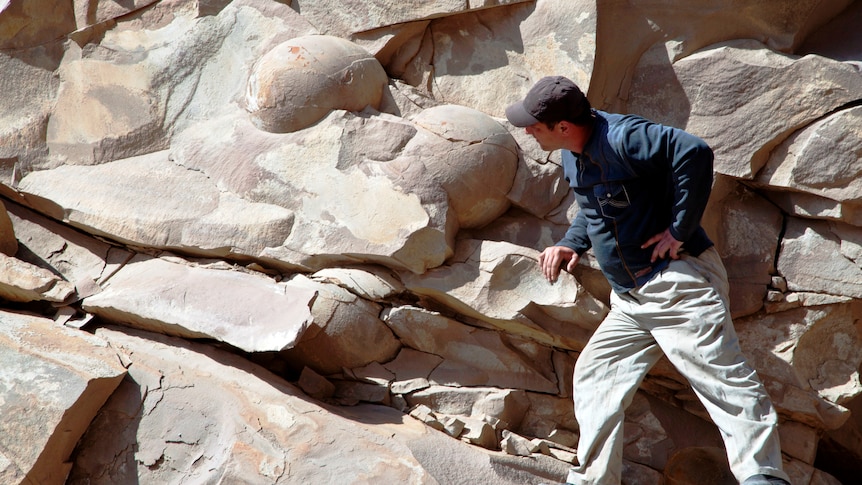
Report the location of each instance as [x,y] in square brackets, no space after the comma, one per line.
[552,99]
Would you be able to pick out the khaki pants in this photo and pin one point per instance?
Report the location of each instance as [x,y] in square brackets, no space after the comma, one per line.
[682,312]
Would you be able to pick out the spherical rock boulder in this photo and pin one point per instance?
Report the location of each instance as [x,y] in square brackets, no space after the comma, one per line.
[300,81]
[470,156]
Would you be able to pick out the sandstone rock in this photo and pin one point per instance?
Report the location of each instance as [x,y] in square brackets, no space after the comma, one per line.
[184,210]
[505,406]
[546,414]
[490,58]
[393,170]
[808,357]
[519,228]
[804,473]
[189,412]
[699,466]
[357,392]
[300,81]
[116,103]
[315,385]
[838,38]
[335,18]
[21,25]
[742,99]
[27,106]
[347,214]
[822,161]
[799,441]
[412,370]
[24,282]
[478,170]
[345,331]
[502,285]
[370,283]
[635,74]
[539,187]
[514,444]
[250,312]
[473,356]
[92,12]
[54,380]
[481,433]
[812,261]
[637,474]
[79,258]
[373,373]
[745,228]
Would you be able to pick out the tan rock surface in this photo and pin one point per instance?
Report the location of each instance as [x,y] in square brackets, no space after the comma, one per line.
[189,412]
[480,283]
[23,282]
[416,214]
[300,81]
[53,382]
[250,312]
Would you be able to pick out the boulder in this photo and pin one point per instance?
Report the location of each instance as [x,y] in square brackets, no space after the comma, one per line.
[298,82]
[345,332]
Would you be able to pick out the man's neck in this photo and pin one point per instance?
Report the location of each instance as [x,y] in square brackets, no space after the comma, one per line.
[579,138]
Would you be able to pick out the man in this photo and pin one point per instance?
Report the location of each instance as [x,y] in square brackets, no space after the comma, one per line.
[642,188]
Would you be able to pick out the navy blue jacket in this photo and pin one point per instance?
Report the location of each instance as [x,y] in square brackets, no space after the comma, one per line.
[634,179]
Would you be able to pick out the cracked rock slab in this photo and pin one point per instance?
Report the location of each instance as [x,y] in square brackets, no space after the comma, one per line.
[248,311]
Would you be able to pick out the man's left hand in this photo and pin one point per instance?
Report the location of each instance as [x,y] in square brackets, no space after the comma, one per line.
[665,245]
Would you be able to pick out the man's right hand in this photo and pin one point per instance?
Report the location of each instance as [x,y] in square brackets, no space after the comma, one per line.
[553,258]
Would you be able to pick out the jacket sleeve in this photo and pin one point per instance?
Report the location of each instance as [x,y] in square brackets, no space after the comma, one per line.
[652,146]
[576,236]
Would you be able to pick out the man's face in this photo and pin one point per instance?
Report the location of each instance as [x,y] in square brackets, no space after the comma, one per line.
[547,138]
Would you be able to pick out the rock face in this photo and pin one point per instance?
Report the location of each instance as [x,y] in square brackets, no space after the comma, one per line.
[297,242]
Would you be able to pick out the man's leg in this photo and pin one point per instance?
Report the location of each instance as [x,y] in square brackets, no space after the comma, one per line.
[607,374]
[693,327]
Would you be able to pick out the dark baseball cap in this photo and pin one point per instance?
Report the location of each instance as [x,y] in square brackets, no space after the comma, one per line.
[551,99]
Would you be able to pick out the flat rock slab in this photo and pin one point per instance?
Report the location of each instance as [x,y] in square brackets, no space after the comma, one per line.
[251,312]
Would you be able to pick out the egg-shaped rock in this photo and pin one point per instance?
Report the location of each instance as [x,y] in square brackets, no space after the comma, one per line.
[300,81]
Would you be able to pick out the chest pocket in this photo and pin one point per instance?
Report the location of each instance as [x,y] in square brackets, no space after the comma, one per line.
[613,199]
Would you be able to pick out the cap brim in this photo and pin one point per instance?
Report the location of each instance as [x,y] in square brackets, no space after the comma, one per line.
[518,116]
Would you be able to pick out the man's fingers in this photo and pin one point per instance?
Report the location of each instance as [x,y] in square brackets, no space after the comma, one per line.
[553,259]
[552,268]
[656,253]
[573,262]
[651,241]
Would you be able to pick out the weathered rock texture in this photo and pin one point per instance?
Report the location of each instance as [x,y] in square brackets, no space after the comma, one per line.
[296,242]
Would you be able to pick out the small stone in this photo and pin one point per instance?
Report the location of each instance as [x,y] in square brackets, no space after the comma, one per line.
[315,385]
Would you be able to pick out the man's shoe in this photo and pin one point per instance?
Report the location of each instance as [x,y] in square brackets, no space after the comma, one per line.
[765,480]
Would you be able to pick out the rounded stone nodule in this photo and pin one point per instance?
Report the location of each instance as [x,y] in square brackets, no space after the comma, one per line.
[300,81]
